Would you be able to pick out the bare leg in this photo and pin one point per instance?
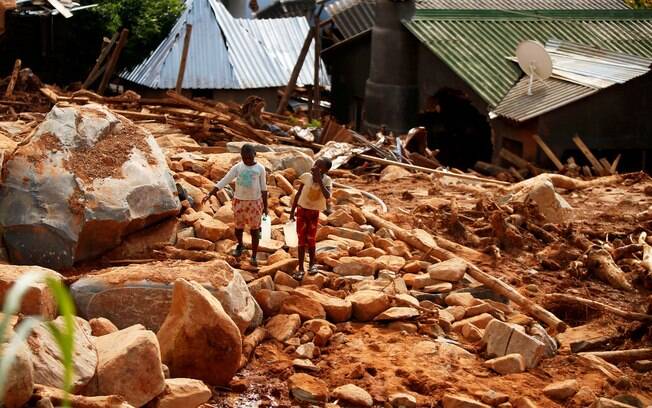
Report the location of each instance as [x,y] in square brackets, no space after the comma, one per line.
[302,257]
[311,254]
[240,247]
[255,236]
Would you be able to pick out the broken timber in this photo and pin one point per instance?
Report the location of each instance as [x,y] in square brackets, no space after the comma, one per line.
[476,273]
[98,69]
[295,72]
[569,299]
[13,79]
[622,355]
[113,61]
[184,57]
[548,152]
[590,157]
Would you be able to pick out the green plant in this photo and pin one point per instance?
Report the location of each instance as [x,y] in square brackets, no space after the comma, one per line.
[64,338]
[148,21]
[639,4]
[315,123]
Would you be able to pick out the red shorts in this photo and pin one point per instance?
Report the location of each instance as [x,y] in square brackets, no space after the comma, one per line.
[307,222]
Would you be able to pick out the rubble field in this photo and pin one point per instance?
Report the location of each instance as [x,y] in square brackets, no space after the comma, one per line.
[434,288]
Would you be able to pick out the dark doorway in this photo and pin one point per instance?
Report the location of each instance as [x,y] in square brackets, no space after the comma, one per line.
[457,129]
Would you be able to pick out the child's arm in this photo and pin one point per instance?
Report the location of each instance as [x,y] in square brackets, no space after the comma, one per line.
[295,202]
[229,177]
[325,188]
[263,189]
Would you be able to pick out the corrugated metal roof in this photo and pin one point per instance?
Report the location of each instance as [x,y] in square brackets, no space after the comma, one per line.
[546,96]
[273,34]
[355,16]
[581,72]
[225,52]
[475,43]
[525,4]
[352,17]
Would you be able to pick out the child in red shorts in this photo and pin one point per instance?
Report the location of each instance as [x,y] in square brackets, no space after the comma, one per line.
[311,198]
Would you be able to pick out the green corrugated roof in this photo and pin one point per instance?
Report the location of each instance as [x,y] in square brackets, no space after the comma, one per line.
[475,43]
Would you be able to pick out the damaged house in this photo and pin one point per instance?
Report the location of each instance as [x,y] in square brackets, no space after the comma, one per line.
[228,58]
[453,72]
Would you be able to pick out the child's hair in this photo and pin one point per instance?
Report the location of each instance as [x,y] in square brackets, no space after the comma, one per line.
[326,163]
[248,148]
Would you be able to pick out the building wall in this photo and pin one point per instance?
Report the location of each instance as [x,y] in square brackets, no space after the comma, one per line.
[615,119]
[348,66]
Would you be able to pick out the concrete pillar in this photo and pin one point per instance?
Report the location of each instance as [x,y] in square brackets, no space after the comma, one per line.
[391,96]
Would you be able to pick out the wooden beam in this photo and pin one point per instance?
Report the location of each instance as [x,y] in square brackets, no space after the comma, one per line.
[614,165]
[97,68]
[315,111]
[591,158]
[548,152]
[113,61]
[295,72]
[184,57]
[192,103]
[519,162]
[606,165]
[495,284]
[618,356]
[428,170]
[592,304]
[50,94]
[13,79]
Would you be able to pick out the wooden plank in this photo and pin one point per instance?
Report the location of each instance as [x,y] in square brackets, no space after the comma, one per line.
[113,61]
[614,165]
[548,152]
[13,79]
[50,94]
[315,111]
[514,159]
[184,57]
[606,165]
[590,157]
[192,103]
[60,8]
[98,68]
[295,72]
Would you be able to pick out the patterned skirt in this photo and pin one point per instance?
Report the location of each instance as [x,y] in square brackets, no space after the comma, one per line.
[247,213]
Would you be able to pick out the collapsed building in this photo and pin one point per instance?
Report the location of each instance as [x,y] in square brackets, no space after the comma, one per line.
[228,58]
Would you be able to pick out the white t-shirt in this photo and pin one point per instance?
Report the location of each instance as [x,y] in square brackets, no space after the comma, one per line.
[250,181]
[312,198]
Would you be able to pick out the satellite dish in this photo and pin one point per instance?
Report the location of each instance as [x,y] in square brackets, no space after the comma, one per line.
[534,61]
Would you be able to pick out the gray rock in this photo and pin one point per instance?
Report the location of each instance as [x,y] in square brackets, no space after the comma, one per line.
[85,179]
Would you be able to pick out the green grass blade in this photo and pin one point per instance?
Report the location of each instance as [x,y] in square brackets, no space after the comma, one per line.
[15,296]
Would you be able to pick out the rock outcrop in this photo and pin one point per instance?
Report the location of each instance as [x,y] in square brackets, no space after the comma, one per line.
[143,293]
[86,178]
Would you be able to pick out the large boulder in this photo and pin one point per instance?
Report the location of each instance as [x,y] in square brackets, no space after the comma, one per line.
[143,293]
[86,178]
[39,299]
[48,362]
[198,339]
[129,366]
[20,380]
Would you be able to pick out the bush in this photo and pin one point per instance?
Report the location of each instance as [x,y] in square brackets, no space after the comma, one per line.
[148,21]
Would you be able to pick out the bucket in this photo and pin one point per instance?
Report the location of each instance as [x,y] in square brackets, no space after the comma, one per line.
[266,228]
[290,233]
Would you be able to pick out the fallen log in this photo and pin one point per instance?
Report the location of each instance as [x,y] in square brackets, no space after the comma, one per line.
[600,262]
[619,356]
[14,78]
[565,182]
[489,281]
[250,343]
[59,397]
[570,299]
[626,251]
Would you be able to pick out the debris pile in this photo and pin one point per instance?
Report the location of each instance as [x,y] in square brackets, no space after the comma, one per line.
[433,287]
